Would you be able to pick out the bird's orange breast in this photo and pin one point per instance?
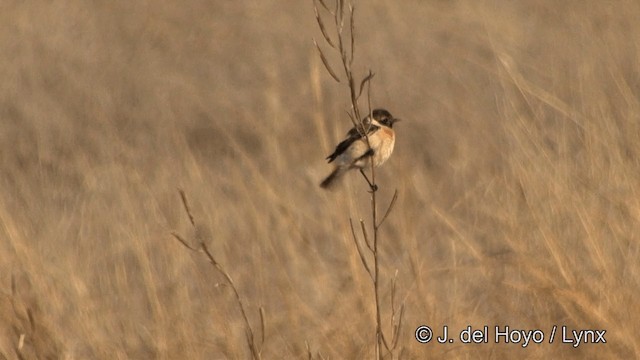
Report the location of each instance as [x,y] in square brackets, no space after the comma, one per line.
[384,146]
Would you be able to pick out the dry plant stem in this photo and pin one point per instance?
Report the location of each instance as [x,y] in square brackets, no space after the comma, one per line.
[253,347]
[376,264]
[360,251]
[346,57]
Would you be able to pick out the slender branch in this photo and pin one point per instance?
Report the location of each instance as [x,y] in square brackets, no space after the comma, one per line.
[323,29]
[352,10]
[326,62]
[376,259]
[364,82]
[255,352]
[366,236]
[347,56]
[389,208]
[326,7]
[356,123]
[183,241]
[360,252]
[226,275]
[185,203]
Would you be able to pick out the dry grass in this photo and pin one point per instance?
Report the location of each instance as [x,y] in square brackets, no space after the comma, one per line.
[517,169]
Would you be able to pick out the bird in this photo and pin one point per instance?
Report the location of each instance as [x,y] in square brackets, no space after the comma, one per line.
[354,152]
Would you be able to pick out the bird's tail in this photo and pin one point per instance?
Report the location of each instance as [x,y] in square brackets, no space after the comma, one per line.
[330,180]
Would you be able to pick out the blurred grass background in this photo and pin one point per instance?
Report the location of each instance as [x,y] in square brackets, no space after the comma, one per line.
[516,165]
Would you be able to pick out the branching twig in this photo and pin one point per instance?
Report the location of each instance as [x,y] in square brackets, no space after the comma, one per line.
[352,11]
[360,252]
[362,124]
[365,81]
[253,347]
[186,206]
[389,208]
[323,29]
[326,62]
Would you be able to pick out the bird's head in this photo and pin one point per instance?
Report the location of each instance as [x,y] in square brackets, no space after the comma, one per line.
[384,117]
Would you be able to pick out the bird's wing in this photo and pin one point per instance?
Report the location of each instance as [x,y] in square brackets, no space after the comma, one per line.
[353,135]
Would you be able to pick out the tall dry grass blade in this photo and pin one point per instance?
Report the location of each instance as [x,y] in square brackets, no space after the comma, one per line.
[527,87]
[393,307]
[262,326]
[326,62]
[397,328]
[463,236]
[393,293]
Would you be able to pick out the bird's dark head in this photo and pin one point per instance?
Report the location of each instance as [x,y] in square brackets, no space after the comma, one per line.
[384,117]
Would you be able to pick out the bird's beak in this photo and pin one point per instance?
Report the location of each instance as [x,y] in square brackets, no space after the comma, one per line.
[395,120]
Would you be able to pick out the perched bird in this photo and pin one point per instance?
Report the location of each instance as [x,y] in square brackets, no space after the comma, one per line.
[354,153]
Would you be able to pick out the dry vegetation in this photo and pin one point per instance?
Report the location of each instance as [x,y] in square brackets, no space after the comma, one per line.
[516,165]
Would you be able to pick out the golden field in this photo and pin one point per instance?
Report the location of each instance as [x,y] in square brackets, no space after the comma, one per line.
[517,168]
